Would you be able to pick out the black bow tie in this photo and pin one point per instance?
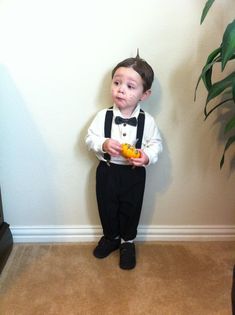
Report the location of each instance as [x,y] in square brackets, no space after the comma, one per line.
[130,121]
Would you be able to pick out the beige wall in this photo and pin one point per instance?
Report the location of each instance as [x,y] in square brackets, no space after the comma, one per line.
[55,63]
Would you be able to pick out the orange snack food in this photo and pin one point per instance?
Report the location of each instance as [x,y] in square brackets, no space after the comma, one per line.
[129,151]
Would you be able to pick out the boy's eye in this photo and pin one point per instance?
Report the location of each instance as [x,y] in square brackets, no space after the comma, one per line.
[115,82]
[130,86]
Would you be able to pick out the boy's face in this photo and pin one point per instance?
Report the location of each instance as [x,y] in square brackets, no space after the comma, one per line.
[127,89]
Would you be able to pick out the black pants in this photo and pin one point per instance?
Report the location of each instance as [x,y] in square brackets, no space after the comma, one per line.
[120,191]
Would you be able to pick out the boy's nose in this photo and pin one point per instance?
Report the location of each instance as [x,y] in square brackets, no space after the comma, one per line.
[121,89]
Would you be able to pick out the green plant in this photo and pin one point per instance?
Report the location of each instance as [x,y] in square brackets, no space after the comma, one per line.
[225,88]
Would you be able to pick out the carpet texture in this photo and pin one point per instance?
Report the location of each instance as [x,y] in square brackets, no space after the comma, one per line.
[169,279]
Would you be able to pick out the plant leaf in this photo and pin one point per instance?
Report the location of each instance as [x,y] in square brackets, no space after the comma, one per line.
[220,86]
[233,91]
[229,142]
[207,70]
[228,44]
[207,73]
[230,125]
[221,103]
[214,56]
[206,9]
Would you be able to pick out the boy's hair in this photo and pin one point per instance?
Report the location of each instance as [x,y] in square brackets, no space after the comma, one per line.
[141,67]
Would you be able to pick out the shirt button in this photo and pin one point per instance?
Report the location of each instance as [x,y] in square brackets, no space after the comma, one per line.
[124,125]
[124,134]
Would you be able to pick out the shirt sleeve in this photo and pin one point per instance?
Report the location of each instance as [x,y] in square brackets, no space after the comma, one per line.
[95,135]
[152,142]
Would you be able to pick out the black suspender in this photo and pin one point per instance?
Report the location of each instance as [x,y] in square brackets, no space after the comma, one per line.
[108,125]
[140,129]
[107,128]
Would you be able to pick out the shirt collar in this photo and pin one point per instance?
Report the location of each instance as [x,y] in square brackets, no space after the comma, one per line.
[117,112]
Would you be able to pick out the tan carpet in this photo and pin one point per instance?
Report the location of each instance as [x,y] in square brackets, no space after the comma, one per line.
[169,279]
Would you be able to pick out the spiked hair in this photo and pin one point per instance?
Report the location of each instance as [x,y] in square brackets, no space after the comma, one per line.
[141,67]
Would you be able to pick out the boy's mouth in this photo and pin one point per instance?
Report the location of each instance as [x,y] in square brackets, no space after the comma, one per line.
[120,98]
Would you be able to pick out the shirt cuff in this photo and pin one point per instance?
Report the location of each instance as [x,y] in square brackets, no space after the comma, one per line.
[101,145]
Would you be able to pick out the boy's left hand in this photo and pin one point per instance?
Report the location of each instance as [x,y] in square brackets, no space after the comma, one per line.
[141,161]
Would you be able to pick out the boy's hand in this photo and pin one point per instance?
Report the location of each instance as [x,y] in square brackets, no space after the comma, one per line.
[141,161]
[112,147]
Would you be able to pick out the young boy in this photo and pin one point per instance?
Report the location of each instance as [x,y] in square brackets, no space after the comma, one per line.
[120,181]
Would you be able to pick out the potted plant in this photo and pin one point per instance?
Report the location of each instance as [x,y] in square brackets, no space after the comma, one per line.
[224,88]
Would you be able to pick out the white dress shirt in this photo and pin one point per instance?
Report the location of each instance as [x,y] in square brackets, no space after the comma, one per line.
[124,133]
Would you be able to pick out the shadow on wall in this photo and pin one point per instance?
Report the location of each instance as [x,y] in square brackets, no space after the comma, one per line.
[201,142]
[198,147]
[157,181]
[26,168]
[221,116]
[90,195]
[158,176]
[103,100]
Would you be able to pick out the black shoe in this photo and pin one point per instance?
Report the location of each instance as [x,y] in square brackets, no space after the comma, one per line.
[105,247]
[127,256]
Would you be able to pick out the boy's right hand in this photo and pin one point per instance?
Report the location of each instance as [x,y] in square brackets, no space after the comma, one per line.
[112,147]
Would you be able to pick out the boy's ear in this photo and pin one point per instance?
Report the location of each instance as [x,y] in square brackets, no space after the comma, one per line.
[145,95]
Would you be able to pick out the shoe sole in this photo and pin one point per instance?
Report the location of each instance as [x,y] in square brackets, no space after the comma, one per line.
[127,267]
[104,256]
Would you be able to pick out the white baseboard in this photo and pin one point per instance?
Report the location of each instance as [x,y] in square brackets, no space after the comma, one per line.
[85,233]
